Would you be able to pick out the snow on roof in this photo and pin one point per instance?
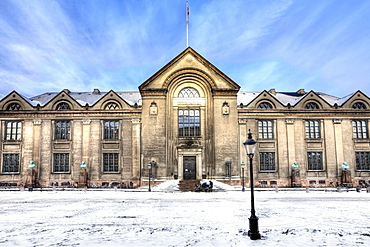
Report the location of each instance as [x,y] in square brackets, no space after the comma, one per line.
[133,98]
[328,98]
[341,101]
[42,99]
[287,98]
[246,97]
[84,98]
[291,98]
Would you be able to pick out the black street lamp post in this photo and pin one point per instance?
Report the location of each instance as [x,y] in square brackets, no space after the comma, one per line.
[152,164]
[242,165]
[150,174]
[250,147]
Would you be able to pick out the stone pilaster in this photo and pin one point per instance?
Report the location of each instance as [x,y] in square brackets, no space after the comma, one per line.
[338,142]
[86,142]
[291,140]
[242,138]
[36,150]
[136,147]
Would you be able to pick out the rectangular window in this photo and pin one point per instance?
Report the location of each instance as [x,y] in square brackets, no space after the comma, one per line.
[62,130]
[362,161]
[10,163]
[13,130]
[265,129]
[61,163]
[111,130]
[267,161]
[189,123]
[314,160]
[313,129]
[110,162]
[359,129]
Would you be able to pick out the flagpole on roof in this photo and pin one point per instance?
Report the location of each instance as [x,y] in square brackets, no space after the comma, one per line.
[187,23]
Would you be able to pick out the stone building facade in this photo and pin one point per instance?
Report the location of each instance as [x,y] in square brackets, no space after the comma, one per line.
[190,121]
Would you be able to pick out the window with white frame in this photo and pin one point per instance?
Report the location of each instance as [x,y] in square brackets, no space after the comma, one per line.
[312,129]
[359,129]
[10,163]
[188,92]
[111,130]
[13,130]
[359,106]
[111,106]
[189,122]
[61,163]
[362,161]
[314,161]
[110,162]
[62,130]
[267,161]
[312,106]
[14,107]
[63,106]
[265,129]
[264,106]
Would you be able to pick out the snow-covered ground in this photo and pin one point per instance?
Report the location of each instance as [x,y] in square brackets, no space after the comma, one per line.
[167,217]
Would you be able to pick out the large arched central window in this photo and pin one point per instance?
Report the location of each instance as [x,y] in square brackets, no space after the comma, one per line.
[188,92]
[189,118]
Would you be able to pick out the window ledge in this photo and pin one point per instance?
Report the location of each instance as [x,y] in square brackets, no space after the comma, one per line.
[111,141]
[315,170]
[361,139]
[268,171]
[314,140]
[189,137]
[62,141]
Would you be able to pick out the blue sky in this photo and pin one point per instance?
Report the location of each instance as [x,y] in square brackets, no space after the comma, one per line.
[49,45]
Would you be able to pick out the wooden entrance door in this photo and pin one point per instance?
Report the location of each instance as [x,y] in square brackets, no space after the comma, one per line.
[189,168]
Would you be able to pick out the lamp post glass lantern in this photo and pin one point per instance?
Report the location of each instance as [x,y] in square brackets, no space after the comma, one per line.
[250,147]
[242,165]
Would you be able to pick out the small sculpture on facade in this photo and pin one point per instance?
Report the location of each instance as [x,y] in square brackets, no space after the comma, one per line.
[295,165]
[31,165]
[345,166]
[83,165]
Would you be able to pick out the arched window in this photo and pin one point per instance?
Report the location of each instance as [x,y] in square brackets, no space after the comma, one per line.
[359,106]
[189,92]
[312,106]
[111,106]
[63,106]
[264,106]
[14,107]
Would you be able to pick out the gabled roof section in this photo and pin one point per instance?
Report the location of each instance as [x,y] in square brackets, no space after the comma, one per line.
[65,96]
[358,96]
[89,98]
[125,99]
[312,97]
[264,96]
[172,64]
[298,99]
[14,96]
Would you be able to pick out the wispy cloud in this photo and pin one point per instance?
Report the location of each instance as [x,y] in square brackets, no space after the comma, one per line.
[81,45]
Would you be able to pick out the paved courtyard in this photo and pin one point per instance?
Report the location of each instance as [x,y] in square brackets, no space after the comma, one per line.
[122,218]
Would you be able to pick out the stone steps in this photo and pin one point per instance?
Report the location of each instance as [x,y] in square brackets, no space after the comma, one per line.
[188,185]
